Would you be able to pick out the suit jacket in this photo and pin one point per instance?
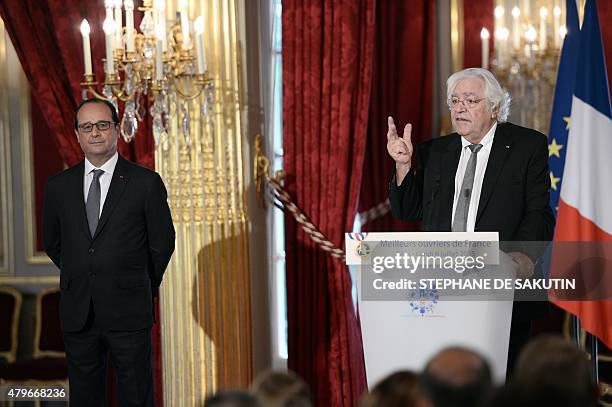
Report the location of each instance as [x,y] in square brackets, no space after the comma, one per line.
[514,199]
[120,268]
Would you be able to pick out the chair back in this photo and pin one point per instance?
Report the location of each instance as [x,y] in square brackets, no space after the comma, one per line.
[10,309]
[48,339]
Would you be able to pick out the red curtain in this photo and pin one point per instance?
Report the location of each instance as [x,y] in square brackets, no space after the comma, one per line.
[327,68]
[604,10]
[402,88]
[47,39]
[476,15]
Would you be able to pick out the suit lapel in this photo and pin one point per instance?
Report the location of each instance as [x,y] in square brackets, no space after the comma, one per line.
[77,186]
[116,189]
[448,168]
[502,144]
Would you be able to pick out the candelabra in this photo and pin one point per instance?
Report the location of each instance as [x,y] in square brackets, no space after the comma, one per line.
[157,66]
[526,57]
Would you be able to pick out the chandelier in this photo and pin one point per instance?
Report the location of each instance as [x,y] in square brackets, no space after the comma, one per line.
[164,63]
[528,36]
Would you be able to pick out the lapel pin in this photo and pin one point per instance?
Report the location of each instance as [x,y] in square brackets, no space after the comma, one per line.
[507,146]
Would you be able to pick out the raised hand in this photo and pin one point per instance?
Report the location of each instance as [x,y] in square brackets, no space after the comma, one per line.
[400,148]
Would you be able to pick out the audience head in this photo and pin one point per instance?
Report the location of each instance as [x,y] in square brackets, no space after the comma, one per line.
[552,366]
[456,377]
[513,395]
[399,389]
[232,398]
[281,389]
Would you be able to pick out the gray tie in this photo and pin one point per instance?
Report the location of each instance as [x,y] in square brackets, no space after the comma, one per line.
[93,202]
[463,203]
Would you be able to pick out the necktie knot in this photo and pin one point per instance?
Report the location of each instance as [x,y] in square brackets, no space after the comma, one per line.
[97,173]
[475,147]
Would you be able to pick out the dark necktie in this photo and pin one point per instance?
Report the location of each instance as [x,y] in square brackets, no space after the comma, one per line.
[93,202]
[463,203]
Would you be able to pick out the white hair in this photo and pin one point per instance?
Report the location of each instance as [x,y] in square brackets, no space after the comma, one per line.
[498,98]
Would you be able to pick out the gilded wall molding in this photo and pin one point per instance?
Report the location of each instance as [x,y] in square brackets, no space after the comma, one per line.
[33,256]
[205,296]
[457,34]
[6,196]
[30,280]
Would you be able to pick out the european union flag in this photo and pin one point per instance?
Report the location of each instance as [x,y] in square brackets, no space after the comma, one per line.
[562,103]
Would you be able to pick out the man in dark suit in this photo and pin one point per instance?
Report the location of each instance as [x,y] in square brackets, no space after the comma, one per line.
[489,175]
[108,228]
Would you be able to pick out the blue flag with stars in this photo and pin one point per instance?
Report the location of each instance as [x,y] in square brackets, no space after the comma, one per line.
[562,103]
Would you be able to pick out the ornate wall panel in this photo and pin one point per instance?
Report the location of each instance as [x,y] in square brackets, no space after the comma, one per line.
[6,200]
[205,298]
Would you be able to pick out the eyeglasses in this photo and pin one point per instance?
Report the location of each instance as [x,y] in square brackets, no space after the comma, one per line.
[102,125]
[468,102]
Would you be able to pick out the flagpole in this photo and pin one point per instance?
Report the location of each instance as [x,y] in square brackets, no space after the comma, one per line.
[594,356]
[575,331]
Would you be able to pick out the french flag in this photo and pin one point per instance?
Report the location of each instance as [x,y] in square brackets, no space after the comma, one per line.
[585,203]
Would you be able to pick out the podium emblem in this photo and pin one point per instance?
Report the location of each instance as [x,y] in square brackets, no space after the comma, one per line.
[423,302]
[362,249]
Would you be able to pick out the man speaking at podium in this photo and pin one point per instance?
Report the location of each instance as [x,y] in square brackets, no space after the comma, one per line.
[488,176]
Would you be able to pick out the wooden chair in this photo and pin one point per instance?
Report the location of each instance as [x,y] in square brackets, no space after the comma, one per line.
[10,309]
[47,366]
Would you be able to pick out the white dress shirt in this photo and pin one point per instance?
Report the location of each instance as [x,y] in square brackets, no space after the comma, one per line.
[105,179]
[481,165]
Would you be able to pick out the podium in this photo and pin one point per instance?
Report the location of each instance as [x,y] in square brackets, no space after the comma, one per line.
[405,334]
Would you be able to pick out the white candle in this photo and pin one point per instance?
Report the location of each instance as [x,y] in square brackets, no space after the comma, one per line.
[86,47]
[531,34]
[501,35]
[556,25]
[129,24]
[499,24]
[118,25]
[484,36]
[516,29]
[109,31]
[499,16]
[530,37]
[562,32]
[108,5]
[159,52]
[543,15]
[199,38]
[160,6]
[184,23]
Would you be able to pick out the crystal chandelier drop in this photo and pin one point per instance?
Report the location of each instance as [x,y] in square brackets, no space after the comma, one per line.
[162,63]
[528,36]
